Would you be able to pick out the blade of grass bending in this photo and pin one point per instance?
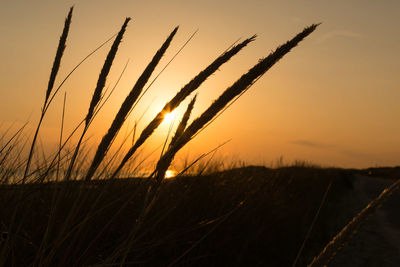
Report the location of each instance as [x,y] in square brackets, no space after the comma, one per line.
[225,108]
[312,224]
[75,68]
[348,231]
[217,223]
[126,107]
[111,160]
[134,133]
[182,125]
[98,91]
[167,137]
[207,163]
[102,102]
[59,54]
[105,71]
[202,156]
[146,158]
[7,153]
[62,147]
[180,96]
[193,162]
[6,131]
[166,65]
[53,74]
[230,93]
[13,137]
[62,83]
[61,135]
[235,42]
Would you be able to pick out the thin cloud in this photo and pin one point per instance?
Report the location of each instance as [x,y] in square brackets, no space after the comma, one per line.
[339,33]
[359,155]
[307,143]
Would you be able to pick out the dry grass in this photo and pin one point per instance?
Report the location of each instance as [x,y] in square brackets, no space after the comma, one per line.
[126,222]
[98,92]
[53,74]
[126,107]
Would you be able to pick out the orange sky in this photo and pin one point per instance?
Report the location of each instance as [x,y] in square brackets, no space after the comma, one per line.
[332,101]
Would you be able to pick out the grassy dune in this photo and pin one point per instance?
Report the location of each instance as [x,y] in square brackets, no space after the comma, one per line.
[240,217]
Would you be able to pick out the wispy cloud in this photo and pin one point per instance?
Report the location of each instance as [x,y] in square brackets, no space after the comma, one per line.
[358,154]
[307,143]
[339,33]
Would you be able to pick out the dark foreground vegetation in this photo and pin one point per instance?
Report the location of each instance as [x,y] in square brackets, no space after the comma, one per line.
[252,216]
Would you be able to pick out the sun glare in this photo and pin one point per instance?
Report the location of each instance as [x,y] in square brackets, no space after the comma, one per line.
[170,173]
[169,117]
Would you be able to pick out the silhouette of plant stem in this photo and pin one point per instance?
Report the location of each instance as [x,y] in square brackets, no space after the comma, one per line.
[179,97]
[126,107]
[98,93]
[53,74]
[230,93]
[332,248]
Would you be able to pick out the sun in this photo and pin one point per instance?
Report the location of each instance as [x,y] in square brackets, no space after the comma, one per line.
[170,174]
[169,117]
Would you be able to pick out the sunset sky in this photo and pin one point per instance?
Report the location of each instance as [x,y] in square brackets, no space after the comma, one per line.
[333,100]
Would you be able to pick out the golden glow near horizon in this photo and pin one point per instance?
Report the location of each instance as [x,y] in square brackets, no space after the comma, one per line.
[333,100]
[170,174]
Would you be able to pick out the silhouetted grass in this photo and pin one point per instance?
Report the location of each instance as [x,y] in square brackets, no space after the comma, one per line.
[228,95]
[126,107]
[98,93]
[53,74]
[249,216]
[179,97]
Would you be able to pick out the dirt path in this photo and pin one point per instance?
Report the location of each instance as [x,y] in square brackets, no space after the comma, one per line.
[377,242]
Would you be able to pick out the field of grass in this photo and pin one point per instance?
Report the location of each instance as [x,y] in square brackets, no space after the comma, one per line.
[251,216]
[57,211]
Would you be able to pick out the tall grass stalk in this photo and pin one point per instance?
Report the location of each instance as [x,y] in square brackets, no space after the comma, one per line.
[166,65]
[185,118]
[230,93]
[98,92]
[179,97]
[53,74]
[126,107]
[213,151]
